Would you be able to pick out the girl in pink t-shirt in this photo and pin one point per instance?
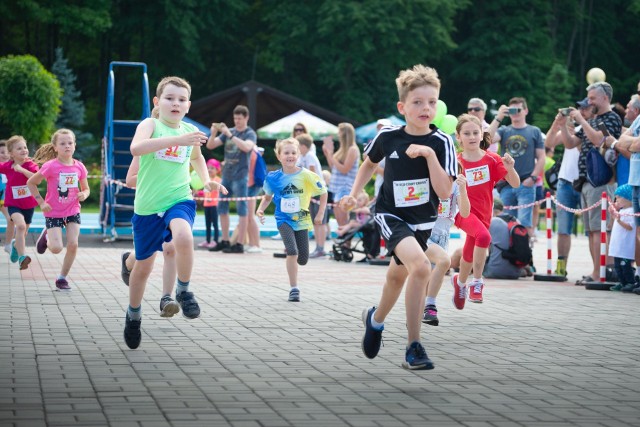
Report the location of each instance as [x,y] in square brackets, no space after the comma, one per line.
[67,186]
[483,169]
[18,199]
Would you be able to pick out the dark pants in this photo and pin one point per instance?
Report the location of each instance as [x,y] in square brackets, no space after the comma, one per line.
[624,270]
[211,218]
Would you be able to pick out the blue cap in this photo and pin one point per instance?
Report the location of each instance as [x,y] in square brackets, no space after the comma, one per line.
[624,191]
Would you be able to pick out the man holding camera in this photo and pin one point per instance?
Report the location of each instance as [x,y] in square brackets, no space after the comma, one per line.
[525,144]
[238,144]
[590,135]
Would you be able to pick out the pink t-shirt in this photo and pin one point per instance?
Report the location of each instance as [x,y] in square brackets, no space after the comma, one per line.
[17,194]
[63,186]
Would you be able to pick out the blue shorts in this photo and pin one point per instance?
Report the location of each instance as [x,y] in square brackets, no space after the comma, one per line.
[151,231]
[567,196]
[254,190]
[236,188]
[340,193]
[26,213]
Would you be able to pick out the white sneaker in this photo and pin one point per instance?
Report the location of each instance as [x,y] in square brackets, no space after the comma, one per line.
[276,237]
[253,250]
[7,248]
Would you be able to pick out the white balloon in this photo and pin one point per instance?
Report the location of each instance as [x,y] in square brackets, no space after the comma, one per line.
[596,75]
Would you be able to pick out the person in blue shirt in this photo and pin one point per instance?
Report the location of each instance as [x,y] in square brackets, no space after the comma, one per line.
[291,189]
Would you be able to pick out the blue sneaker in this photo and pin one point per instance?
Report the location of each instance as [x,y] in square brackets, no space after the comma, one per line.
[372,337]
[416,357]
[189,305]
[168,306]
[14,252]
[132,334]
[294,295]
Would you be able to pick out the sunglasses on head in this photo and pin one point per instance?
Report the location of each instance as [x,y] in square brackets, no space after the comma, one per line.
[298,130]
[476,109]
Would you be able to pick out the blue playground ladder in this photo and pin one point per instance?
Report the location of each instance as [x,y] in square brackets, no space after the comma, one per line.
[116,202]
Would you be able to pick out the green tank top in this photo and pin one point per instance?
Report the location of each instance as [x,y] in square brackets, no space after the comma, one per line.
[163,178]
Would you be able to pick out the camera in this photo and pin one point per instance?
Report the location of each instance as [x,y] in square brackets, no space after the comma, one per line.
[514,110]
[565,111]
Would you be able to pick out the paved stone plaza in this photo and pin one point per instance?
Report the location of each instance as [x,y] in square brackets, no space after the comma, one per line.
[534,354]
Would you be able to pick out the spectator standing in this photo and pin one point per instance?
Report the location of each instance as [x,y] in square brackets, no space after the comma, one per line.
[589,136]
[525,144]
[344,166]
[622,233]
[238,144]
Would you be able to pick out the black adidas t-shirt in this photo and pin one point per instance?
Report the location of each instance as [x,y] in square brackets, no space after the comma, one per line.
[407,191]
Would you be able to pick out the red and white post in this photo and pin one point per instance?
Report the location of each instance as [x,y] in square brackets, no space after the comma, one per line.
[603,238]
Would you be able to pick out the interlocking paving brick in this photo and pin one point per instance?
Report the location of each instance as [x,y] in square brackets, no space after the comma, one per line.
[534,354]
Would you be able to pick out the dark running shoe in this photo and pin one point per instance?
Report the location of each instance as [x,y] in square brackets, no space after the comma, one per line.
[294,295]
[372,338]
[168,306]
[430,316]
[236,248]
[132,334]
[124,271]
[24,261]
[41,243]
[416,357]
[189,305]
[63,285]
[220,246]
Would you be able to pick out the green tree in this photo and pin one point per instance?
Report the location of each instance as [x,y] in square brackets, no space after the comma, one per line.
[29,98]
[557,90]
[72,109]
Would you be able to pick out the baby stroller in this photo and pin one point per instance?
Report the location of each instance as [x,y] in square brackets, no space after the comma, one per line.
[362,240]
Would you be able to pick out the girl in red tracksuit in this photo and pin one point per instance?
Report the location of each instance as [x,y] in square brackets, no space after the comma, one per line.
[483,170]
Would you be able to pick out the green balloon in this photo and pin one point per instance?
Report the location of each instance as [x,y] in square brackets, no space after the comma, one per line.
[449,124]
[440,113]
[196,182]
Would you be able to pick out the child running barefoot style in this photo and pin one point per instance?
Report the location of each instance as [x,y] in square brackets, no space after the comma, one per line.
[18,200]
[168,306]
[67,186]
[291,189]
[164,209]
[419,170]
[438,242]
[482,169]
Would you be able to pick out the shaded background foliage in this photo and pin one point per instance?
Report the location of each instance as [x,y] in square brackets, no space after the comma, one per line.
[341,55]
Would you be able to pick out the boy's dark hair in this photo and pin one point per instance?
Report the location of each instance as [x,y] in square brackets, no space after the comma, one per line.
[241,110]
[519,100]
[305,139]
[172,80]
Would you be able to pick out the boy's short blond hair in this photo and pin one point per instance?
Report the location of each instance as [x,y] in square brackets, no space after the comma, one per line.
[282,142]
[305,139]
[413,78]
[172,80]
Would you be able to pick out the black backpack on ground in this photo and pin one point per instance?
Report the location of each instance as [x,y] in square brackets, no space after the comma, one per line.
[519,252]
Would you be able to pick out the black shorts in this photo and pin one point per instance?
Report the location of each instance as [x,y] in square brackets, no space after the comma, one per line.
[393,230]
[61,222]
[26,213]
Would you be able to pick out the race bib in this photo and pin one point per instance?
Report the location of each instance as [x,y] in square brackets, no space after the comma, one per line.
[68,180]
[3,177]
[20,191]
[444,209]
[291,205]
[177,154]
[412,192]
[477,176]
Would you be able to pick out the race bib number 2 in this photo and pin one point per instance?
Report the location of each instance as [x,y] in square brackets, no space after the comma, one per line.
[411,192]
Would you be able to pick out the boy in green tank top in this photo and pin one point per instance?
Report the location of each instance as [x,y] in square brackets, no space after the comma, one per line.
[164,209]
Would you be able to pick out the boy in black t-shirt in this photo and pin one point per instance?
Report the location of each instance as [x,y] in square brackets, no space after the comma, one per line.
[419,170]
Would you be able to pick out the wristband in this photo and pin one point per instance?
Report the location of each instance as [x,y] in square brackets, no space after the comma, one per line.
[613,144]
[230,137]
[498,120]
